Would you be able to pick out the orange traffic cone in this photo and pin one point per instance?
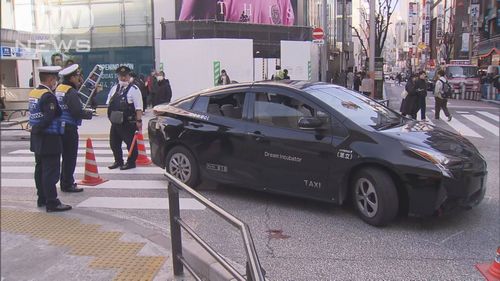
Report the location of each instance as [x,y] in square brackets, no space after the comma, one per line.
[91,174]
[142,157]
[491,271]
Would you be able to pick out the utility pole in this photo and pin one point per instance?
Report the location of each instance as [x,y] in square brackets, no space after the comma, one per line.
[342,54]
[324,57]
[372,45]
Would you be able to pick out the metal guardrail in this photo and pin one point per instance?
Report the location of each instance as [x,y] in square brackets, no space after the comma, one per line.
[253,268]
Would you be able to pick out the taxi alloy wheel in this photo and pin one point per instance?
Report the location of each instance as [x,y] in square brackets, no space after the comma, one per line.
[182,165]
[375,196]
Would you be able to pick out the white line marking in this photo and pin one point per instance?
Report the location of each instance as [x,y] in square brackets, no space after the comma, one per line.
[112,184]
[138,203]
[451,236]
[489,115]
[100,144]
[462,129]
[488,126]
[80,159]
[80,151]
[462,112]
[80,170]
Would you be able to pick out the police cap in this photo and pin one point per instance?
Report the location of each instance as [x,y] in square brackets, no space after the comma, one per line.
[70,70]
[49,69]
[123,70]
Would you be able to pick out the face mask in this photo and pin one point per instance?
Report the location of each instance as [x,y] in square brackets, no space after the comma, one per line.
[131,79]
[159,78]
[123,84]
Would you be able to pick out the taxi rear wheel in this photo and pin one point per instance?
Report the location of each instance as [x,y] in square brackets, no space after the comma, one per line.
[374,196]
[181,164]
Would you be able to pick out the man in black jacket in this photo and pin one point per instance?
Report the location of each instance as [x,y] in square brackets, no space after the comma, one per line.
[72,115]
[163,92]
[45,139]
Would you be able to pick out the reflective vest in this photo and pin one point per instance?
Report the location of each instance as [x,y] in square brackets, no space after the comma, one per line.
[36,114]
[66,117]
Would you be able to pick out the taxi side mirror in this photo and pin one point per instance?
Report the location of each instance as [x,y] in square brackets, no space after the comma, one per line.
[309,123]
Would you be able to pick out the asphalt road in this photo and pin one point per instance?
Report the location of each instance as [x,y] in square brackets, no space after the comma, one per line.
[304,240]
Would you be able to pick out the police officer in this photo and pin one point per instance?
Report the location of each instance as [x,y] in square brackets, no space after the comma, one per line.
[125,113]
[46,141]
[72,115]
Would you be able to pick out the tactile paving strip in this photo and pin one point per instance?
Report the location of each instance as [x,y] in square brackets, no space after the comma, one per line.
[85,240]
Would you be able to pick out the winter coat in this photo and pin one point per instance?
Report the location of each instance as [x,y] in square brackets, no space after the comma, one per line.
[409,105]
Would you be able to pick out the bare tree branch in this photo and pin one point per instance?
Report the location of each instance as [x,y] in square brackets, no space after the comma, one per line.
[361,41]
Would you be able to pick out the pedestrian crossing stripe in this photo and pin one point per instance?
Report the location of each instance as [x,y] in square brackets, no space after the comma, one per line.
[81,170]
[480,122]
[80,159]
[489,115]
[139,203]
[112,184]
[100,144]
[80,151]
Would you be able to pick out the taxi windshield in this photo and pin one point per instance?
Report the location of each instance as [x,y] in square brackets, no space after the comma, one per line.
[357,108]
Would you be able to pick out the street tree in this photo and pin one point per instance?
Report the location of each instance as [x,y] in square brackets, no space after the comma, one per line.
[383,14]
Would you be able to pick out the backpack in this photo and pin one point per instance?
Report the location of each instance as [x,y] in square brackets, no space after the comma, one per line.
[446,91]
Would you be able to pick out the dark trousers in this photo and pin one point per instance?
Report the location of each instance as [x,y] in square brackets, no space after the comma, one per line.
[441,104]
[47,169]
[69,155]
[421,106]
[122,133]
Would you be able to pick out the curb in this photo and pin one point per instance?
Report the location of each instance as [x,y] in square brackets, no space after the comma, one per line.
[205,265]
[491,101]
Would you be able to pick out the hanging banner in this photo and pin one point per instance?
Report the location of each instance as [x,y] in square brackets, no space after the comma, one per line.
[465,42]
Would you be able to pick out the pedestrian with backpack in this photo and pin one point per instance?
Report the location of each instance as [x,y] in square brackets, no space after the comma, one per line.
[442,91]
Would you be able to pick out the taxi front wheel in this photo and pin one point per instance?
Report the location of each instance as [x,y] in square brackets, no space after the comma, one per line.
[374,196]
[182,165]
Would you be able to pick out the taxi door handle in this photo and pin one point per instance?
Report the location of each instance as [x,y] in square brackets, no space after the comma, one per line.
[196,125]
[257,135]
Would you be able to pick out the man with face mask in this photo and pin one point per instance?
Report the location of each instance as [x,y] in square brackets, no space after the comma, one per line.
[72,115]
[125,113]
[46,138]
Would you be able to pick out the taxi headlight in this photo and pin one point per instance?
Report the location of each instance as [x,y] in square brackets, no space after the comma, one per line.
[442,161]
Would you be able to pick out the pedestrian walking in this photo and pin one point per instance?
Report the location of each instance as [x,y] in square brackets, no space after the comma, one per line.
[421,89]
[357,82]
[150,84]
[46,139]
[285,74]
[350,80]
[399,77]
[442,91]
[125,114]
[366,85]
[72,114]
[409,105]
[163,92]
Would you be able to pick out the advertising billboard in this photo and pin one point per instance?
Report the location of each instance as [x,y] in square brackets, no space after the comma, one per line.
[274,12]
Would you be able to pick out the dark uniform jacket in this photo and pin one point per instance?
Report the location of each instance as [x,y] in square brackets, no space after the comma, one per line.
[72,100]
[40,142]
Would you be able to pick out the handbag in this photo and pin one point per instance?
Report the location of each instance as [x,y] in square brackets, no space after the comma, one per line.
[404,94]
[116,117]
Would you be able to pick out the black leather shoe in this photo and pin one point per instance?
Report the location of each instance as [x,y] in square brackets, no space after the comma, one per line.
[127,166]
[40,203]
[115,165]
[58,208]
[73,188]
